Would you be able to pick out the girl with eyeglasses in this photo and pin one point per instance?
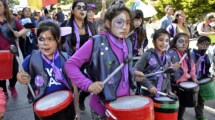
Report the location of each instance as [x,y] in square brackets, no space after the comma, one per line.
[44,70]
[103,53]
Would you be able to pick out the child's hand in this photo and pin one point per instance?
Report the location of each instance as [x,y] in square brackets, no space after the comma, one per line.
[17,34]
[138,76]
[140,52]
[1,116]
[96,87]
[153,90]
[176,65]
[196,81]
[23,78]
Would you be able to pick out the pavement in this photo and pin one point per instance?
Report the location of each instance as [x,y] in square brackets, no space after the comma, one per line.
[20,109]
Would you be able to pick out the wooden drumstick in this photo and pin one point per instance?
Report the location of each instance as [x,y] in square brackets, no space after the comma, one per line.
[126,60]
[182,58]
[14,50]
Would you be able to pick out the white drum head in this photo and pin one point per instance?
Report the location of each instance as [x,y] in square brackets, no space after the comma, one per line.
[52,100]
[164,99]
[129,102]
[188,84]
[205,80]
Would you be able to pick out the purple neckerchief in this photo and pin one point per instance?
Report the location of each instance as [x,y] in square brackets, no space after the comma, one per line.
[78,35]
[200,64]
[136,41]
[122,46]
[160,79]
[57,72]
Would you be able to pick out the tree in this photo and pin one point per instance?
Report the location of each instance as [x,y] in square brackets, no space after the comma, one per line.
[194,9]
[13,2]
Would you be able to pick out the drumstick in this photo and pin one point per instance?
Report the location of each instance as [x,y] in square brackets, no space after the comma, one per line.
[182,58]
[132,32]
[14,50]
[161,93]
[168,70]
[126,60]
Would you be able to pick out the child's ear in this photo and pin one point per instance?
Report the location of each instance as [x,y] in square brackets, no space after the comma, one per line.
[107,24]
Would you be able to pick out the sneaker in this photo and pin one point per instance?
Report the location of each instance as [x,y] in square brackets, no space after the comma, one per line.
[201,118]
[13,91]
[82,106]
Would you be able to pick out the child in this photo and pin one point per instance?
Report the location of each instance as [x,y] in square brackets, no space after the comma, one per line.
[2,104]
[202,62]
[46,64]
[186,69]
[104,53]
[154,60]
[139,40]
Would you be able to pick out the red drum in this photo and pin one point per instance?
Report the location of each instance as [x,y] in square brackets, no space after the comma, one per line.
[166,108]
[6,64]
[53,103]
[131,108]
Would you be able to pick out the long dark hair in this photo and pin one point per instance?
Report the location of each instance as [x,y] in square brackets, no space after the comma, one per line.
[141,33]
[7,11]
[72,18]
[49,26]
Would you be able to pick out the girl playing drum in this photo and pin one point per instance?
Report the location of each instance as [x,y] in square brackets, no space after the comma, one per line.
[202,61]
[45,68]
[186,68]
[155,60]
[104,53]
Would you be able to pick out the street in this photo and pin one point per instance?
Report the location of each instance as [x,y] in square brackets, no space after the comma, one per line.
[20,109]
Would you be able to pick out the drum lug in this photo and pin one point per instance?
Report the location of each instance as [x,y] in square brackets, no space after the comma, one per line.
[109,114]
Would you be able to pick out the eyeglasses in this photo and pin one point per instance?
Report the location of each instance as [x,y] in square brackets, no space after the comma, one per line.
[83,7]
[205,44]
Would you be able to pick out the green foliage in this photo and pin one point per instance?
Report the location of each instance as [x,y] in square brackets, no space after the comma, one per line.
[194,9]
[13,2]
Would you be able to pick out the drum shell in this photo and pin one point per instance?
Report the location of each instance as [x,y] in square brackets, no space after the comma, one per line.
[166,110]
[207,90]
[143,113]
[6,64]
[188,97]
[54,110]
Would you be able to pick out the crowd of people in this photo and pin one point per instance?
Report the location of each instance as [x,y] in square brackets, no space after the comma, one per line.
[81,60]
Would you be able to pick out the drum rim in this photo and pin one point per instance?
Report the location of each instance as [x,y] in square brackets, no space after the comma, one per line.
[197,85]
[171,102]
[53,110]
[116,109]
[211,79]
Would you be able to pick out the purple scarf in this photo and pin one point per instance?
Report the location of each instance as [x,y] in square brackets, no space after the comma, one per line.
[160,79]
[56,71]
[124,48]
[78,35]
[202,60]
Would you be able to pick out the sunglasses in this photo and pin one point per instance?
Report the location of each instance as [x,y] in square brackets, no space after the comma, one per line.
[83,7]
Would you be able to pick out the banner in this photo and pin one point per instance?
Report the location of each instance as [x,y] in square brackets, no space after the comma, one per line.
[38,4]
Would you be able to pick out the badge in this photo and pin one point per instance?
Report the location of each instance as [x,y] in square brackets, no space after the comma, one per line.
[39,81]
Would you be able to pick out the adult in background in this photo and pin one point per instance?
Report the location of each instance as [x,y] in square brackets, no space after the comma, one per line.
[30,41]
[82,29]
[10,30]
[168,18]
[178,25]
[60,16]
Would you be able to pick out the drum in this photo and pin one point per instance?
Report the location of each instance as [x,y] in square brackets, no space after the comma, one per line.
[53,103]
[166,108]
[207,88]
[6,64]
[188,94]
[131,108]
